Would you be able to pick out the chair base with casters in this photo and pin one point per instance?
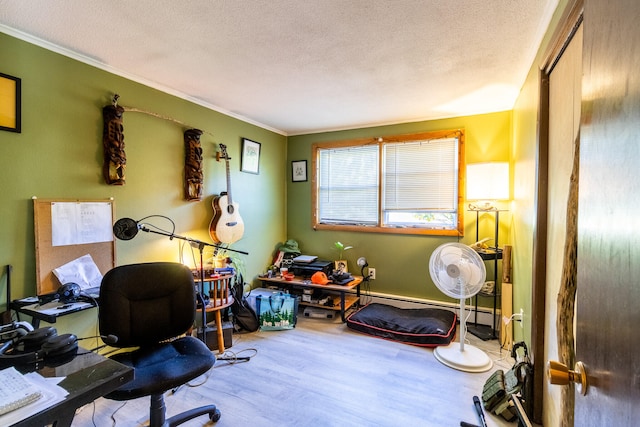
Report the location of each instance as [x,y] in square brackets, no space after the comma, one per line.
[154,366]
[146,306]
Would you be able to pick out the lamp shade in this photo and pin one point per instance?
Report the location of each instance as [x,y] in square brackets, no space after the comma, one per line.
[488,181]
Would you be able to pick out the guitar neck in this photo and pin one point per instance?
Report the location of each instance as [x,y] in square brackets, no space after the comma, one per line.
[229,184]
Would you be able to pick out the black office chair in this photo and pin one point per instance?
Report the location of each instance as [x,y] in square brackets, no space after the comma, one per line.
[147,306]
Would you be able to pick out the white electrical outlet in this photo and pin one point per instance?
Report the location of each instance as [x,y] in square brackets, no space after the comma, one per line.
[372,273]
[522,318]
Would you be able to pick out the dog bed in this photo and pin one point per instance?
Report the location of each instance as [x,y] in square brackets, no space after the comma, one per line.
[425,327]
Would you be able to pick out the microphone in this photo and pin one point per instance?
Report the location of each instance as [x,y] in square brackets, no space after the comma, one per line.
[108,339]
[125,228]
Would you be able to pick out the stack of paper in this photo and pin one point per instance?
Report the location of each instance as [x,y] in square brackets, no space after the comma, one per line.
[24,395]
[15,391]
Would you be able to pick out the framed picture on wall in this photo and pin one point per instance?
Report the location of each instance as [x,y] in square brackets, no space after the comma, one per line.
[10,108]
[299,170]
[250,161]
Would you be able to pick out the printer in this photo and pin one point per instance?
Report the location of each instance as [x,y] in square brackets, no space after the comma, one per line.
[307,269]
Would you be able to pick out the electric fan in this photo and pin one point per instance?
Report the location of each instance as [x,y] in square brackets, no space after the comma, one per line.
[459,272]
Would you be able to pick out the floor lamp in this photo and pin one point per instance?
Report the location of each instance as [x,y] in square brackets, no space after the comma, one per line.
[486,184]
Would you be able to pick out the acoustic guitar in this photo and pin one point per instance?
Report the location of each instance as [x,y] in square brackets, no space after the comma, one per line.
[227,225]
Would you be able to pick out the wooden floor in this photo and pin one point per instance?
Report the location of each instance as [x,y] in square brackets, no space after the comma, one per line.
[321,374]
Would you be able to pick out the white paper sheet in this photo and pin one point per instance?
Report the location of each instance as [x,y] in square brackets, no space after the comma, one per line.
[82,271]
[76,223]
[51,394]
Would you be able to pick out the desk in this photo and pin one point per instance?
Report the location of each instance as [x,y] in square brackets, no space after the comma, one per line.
[88,377]
[346,301]
[50,316]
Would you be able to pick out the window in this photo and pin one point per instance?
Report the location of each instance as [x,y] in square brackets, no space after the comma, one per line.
[403,184]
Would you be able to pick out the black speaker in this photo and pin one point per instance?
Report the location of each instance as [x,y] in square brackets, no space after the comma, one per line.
[38,348]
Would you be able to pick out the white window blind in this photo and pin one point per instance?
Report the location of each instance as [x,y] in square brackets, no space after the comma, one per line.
[407,182]
[421,176]
[348,185]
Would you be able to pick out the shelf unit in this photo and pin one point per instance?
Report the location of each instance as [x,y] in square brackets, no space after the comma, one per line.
[492,254]
[348,299]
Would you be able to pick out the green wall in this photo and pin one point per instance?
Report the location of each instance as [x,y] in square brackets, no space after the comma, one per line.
[524,157]
[401,261]
[525,166]
[59,155]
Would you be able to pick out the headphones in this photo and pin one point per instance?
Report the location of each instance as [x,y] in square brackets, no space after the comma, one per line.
[38,348]
[14,330]
[69,292]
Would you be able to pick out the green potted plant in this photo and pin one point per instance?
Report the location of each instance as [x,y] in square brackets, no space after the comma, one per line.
[341,263]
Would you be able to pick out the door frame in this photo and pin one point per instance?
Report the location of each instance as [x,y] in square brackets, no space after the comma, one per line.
[569,24]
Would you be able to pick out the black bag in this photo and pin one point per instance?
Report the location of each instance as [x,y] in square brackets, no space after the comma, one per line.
[496,398]
[497,390]
[244,317]
[523,375]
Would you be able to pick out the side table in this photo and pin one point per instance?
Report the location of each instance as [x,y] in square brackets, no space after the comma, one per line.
[347,297]
[218,288]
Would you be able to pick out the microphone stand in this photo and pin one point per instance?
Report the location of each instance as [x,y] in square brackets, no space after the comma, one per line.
[201,246]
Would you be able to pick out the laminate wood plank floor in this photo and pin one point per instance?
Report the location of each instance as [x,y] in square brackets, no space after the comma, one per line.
[321,374]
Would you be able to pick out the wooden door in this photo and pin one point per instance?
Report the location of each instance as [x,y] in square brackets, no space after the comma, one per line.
[608,298]
[565,82]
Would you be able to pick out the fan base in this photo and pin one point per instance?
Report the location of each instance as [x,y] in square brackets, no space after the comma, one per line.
[472,359]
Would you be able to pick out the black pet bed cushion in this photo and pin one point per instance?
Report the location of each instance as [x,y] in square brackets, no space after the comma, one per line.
[426,327]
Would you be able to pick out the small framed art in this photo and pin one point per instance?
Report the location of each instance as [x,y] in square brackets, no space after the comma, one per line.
[250,161]
[10,100]
[299,170]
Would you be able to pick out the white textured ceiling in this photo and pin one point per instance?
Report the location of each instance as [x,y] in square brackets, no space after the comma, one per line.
[297,66]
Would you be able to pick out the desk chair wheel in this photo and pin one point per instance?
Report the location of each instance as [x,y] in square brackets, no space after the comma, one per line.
[215,416]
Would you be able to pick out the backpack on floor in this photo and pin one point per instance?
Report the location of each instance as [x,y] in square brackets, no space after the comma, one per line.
[497,390]
[244,317]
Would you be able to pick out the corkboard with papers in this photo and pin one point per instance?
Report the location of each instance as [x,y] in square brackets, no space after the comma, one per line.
[66,230]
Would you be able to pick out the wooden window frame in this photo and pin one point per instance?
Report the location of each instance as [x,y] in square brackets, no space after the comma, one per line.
[380,228]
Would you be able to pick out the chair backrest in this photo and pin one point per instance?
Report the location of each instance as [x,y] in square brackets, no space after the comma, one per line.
[143,304]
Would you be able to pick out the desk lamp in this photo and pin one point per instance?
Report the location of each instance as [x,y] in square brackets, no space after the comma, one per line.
[362,263]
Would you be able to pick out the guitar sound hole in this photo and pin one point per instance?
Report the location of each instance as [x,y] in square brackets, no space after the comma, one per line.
[230,209]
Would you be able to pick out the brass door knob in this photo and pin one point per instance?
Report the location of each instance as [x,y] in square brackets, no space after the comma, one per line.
[558,373]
